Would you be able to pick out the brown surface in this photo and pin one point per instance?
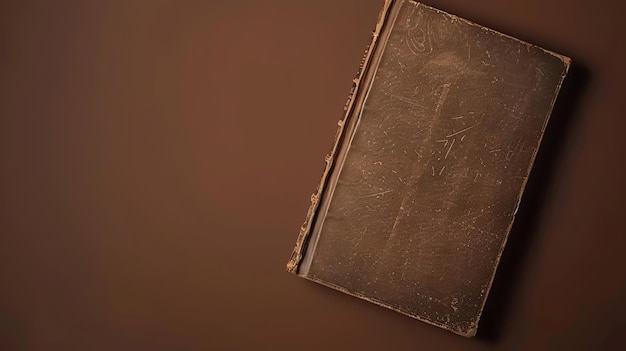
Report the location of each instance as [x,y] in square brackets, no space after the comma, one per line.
[156,161]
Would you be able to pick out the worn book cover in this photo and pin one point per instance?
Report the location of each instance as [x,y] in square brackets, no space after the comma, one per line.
[429,164]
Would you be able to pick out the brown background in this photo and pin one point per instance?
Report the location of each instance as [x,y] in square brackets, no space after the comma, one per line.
[157,158]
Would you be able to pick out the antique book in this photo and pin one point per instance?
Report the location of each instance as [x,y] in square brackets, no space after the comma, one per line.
[428,166]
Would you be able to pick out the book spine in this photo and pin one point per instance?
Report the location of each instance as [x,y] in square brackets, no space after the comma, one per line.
[305,229]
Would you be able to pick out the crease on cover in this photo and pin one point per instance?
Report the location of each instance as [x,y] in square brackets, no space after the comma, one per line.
[305,229]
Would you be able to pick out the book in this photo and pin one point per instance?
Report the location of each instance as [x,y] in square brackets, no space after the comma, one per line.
[425,176]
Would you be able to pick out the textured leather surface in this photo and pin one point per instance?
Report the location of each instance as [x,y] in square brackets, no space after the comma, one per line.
[434,171]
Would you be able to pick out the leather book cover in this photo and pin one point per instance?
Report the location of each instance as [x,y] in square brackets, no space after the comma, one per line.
[428,166]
